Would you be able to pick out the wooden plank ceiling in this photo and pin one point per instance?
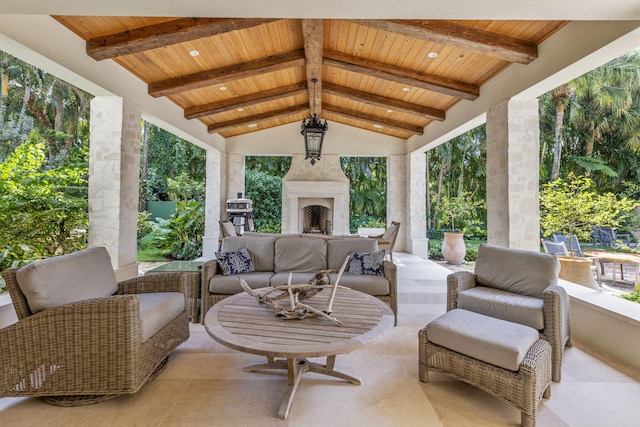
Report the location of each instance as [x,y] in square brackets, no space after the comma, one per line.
[242,75]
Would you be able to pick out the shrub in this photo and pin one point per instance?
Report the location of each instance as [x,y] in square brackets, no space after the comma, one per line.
[435,250]
[633,295]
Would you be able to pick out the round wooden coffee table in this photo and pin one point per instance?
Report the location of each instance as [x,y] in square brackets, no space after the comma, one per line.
[241,323]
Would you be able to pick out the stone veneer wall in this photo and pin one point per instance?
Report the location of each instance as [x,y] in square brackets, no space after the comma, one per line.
[325,179]
[114,170]
[513,144]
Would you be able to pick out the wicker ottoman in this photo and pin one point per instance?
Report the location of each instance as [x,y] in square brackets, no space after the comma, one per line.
[505,359]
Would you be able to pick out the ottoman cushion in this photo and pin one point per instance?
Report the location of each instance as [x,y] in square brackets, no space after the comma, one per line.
[493,341]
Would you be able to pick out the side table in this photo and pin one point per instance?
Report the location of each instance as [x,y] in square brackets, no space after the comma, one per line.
[191,270]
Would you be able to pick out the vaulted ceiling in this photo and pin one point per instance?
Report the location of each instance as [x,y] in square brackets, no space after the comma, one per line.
[243,75]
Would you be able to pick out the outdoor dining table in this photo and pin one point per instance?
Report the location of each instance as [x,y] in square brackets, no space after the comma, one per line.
[618,258]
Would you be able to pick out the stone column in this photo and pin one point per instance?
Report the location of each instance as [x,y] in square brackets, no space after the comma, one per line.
[396,197]
[235,176]
[114,179]
[214,203]
[416,204]
[513,140]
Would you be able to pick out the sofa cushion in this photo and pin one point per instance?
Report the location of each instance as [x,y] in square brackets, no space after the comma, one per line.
[260,249]
[493,341]
[157,309]
[235,262]
[300,255]
[282,278]
[229,285]
[372,285]
[339,249]
[367,263]
[64,279]
[521,309]
[515,270]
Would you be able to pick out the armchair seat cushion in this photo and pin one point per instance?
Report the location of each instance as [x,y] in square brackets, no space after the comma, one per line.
[522,309]
[158,309]
[229,285]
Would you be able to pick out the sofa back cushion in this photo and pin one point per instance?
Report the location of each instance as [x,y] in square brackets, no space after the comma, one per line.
[300,255]
[261,250]
[64,279]
[514,270]
[339,249]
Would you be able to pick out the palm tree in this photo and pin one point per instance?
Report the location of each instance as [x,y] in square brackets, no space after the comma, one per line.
[560,96]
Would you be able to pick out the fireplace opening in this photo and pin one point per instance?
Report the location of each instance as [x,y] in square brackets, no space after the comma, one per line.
[317,220]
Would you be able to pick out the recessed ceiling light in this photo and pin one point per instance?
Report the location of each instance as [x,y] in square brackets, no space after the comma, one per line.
[194,53]
[252,125]
[389,110]
[377,126]
[405,89]
[241,109]
[223,88]
[432,54]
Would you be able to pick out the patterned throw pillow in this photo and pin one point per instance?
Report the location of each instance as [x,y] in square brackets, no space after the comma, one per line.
[235,262]
[366,263]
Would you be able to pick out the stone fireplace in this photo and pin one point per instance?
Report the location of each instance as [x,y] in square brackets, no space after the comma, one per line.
[315,199]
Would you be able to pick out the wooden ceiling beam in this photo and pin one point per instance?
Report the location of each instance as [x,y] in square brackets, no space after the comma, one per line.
[226,74]
[384,102]
[164,34]
[402,76]
[270,115]
[461,36]
[313,32]
[245,101]
[385,122]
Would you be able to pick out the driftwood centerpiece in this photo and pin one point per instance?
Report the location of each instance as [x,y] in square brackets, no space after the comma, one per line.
[286,300]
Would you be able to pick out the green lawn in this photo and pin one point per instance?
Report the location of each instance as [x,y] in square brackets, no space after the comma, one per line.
[151,255]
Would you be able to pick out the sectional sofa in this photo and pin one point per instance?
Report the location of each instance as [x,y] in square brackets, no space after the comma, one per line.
[273,257]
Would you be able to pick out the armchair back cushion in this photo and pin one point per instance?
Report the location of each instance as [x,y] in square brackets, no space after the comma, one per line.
[60,280]
[261,250]
[339,249]
[300,255]
[518,271]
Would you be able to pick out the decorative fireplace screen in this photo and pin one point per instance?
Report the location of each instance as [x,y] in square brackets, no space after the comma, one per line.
[317,220]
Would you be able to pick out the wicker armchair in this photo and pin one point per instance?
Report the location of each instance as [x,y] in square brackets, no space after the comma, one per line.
[387,240]
[88,350]
[517,286]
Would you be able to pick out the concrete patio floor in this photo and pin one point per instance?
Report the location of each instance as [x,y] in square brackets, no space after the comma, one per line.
[204,385]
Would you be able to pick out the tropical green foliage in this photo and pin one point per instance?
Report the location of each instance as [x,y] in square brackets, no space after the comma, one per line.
[367,191]
[43,210]
[460,211]
[574,207]
[265,190]
[633,296]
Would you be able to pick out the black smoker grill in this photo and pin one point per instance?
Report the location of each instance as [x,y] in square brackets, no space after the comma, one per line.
[240,214]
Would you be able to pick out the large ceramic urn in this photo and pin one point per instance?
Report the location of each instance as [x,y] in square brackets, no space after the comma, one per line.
[453,248]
